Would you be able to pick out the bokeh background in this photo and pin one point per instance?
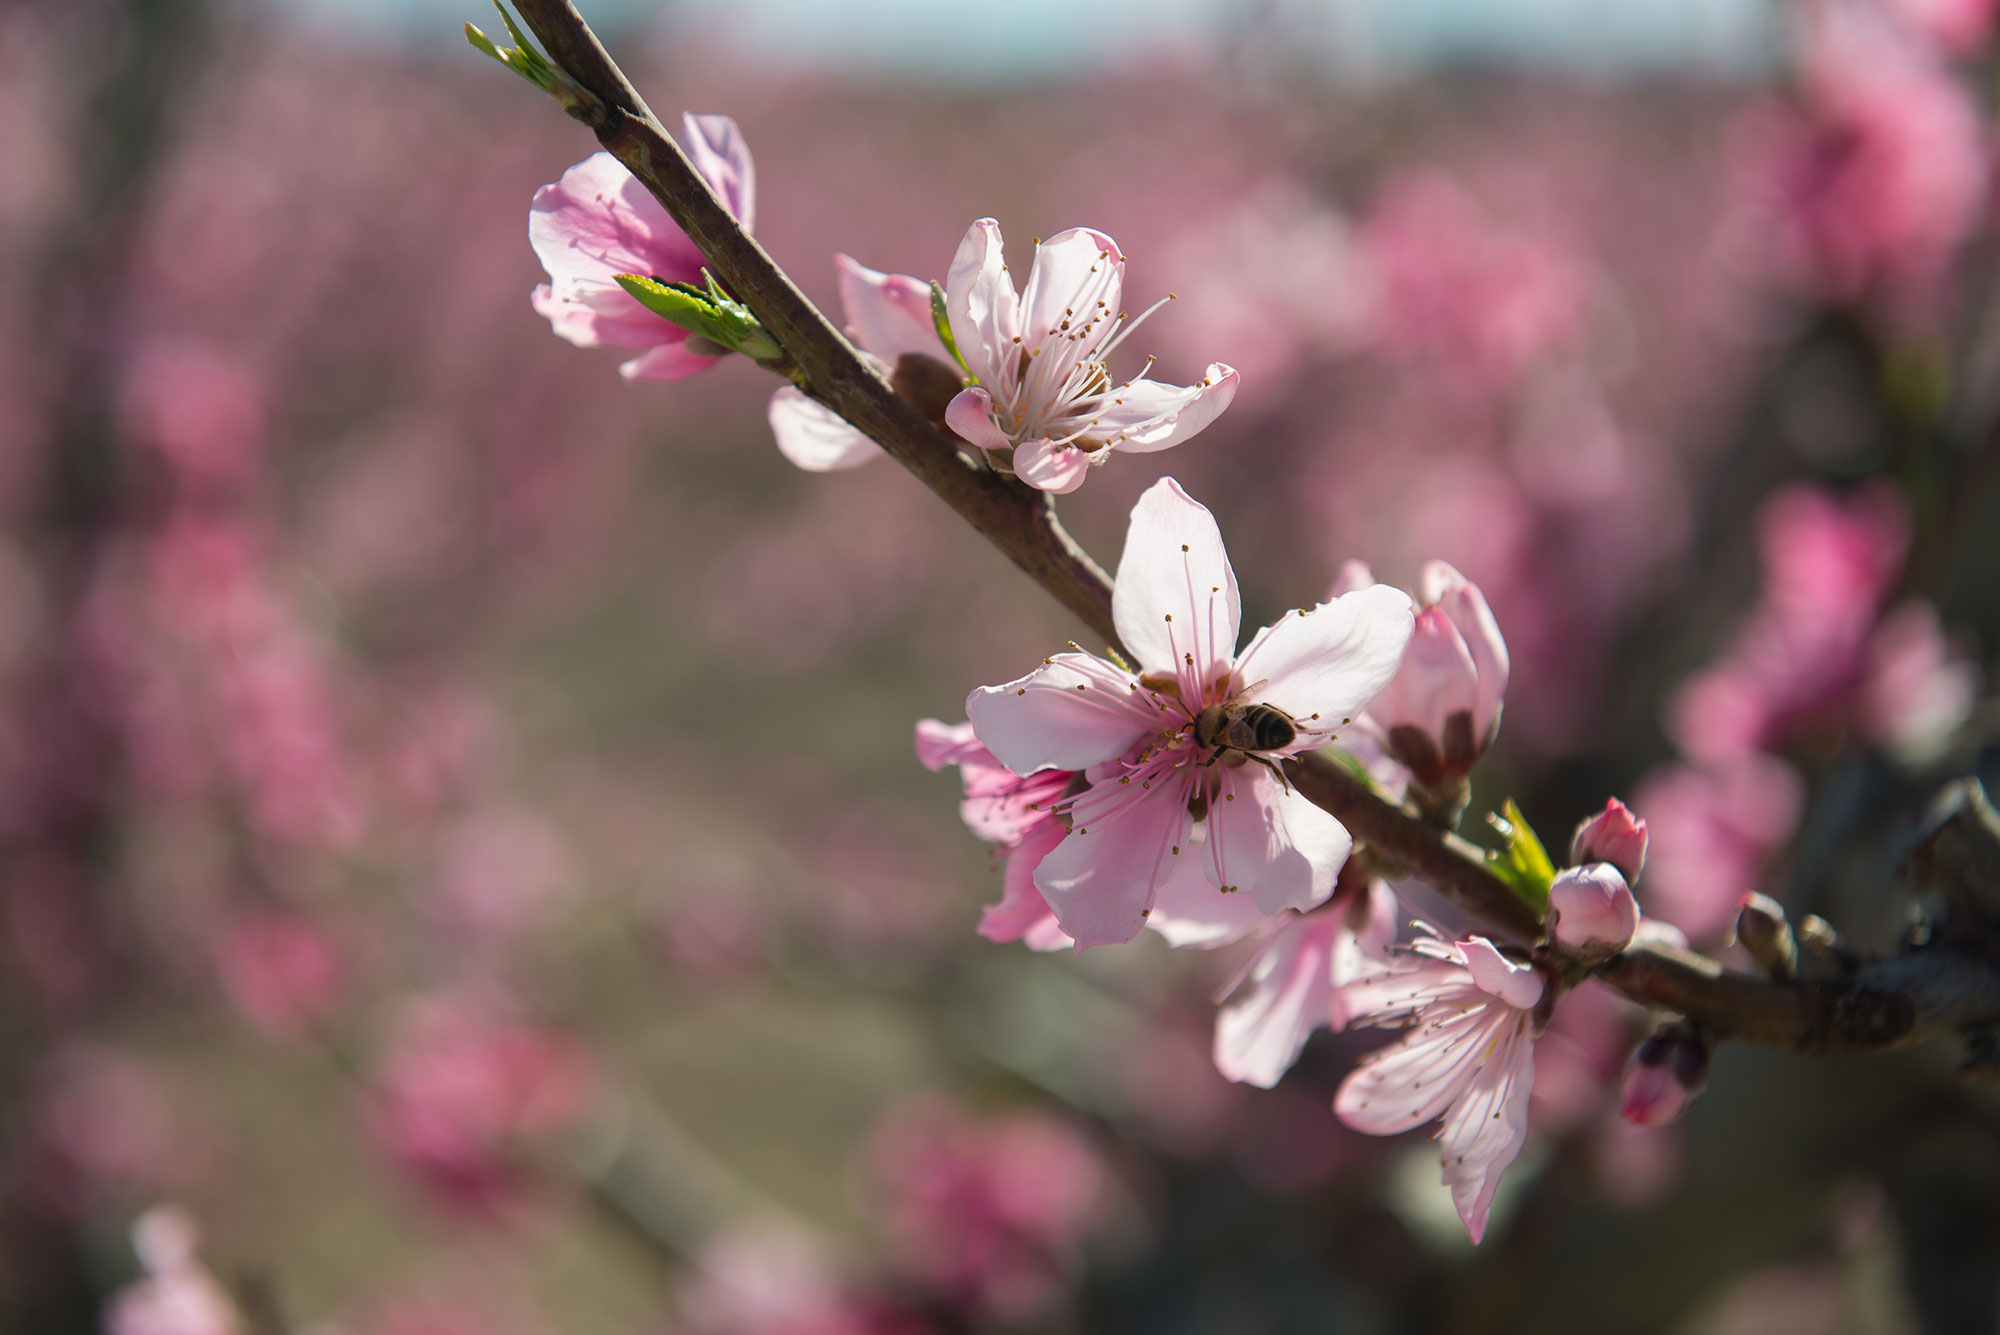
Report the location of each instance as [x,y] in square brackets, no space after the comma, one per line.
[459,839]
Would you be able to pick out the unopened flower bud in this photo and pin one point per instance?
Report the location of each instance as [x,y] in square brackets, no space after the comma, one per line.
[1764,933]
[1442,710]
[1665,1074]
[1592,910]
[1613,835]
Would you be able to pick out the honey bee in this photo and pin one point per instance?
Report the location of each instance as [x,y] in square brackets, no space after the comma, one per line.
[1249,728]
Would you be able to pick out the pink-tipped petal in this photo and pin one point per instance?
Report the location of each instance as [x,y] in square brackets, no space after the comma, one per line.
[1613,835]
[719,153]
[1460,599]
[940,743]
[668,361]
[1175,595]
[888,314]
[1333,659]
[814,437]
[1071,713]
[1022,914]
[980,302]
[1100,879]
[1271,842]
[1049,467]
[1146,415]
[970,414]
[595,223]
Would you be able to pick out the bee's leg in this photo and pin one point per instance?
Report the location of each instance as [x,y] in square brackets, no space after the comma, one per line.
[1275,768]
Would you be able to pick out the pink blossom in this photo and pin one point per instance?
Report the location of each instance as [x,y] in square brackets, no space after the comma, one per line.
[1294,983]
[1881,173]
[282,970]
[1151,741]
[177,1296]
[1613,835]
[1918,687]
[1019,814]
[1713,831]
[768,1277]
[888,317]
[598,222]
[463,1090]
[1592,910]
[1442,710]
[1666,1072]
[1961,27]
[1042,385]
[989,1210]
[1469,1054]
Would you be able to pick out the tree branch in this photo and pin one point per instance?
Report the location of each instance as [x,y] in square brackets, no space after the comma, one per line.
[1886,1004]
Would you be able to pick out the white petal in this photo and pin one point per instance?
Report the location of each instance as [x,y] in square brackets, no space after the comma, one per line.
[1072,712]
[1271,842]
[1486,1128]
[888,314]
[981,305]
[1460,599]
[1517,984]
[1260,1033]
[970,414]
[1074,271]
[1333,659]
[1399,1088]
[1175,597]
[814,436]
[1189,911]
[1146,415]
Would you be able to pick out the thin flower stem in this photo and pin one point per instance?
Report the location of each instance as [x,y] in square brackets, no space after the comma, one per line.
[1887,1004]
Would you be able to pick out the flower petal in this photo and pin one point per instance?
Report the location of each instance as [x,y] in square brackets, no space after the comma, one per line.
[1333,659]
[940,743]
[595,222]
[667,361]
[1074,711]
[888,314]
[1486,1128]
[1189,911]
[719,153]
[1261,1032]
[1100,880]
[981,304]
[1436,680]
[1147,415]
[814,436]
[1460,599]
[970,414]
[1399,1088]
[1049,467]
[1076,281]
[1175,595]
[1022,914]
[1267,839]
[1517,984]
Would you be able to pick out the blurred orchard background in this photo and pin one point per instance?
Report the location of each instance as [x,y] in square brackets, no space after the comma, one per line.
[460,846]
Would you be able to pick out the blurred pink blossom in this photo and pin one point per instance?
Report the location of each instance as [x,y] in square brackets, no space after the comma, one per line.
[989,1210]
[462,1093]
[282,970]
[200,411]
[498,870]
[598,222]
[1044,389]
[104,1125]
[1713,830]
[768,1277]
[1879,172]
[1469,1055]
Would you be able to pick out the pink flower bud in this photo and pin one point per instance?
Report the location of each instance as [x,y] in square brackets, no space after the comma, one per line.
[1442,709]
[1593,909]
[1613,835]
[1666,1072]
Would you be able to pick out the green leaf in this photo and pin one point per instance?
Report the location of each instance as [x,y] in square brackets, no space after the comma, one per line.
[942,319]
[522,58]
[706,311]
[1522,862]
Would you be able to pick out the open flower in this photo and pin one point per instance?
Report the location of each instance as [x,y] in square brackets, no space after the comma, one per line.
[598,222]
[1044,389]
[1469,1055]
[888,319]
[1196,735]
